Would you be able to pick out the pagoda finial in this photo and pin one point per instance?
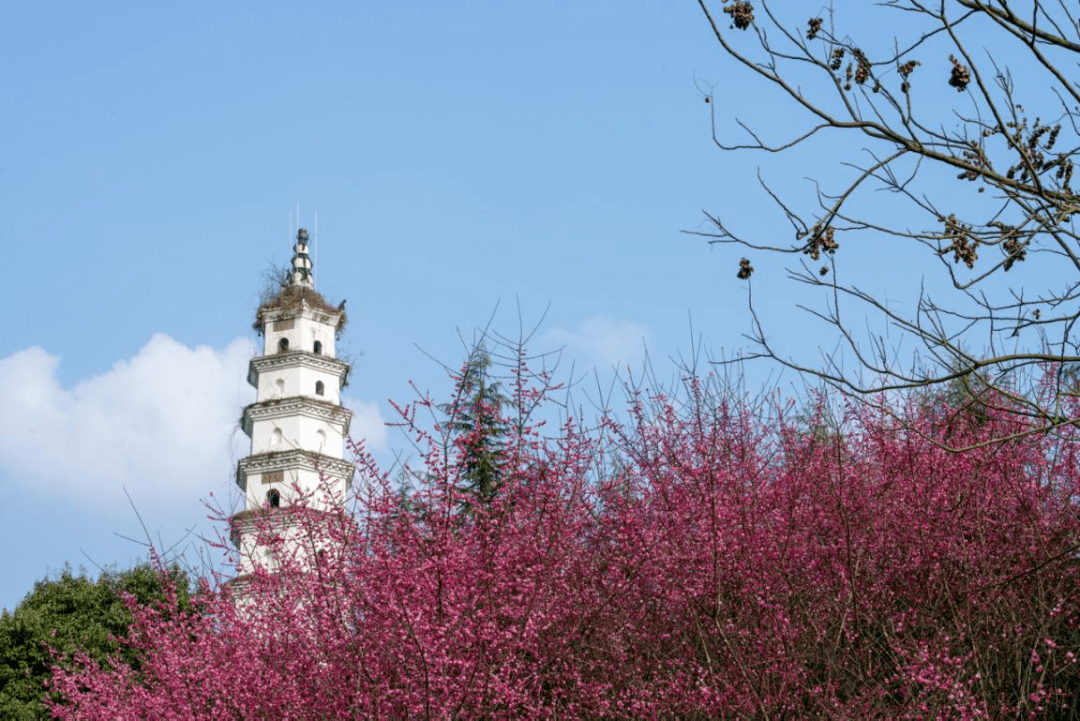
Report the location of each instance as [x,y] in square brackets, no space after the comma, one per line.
[301,262]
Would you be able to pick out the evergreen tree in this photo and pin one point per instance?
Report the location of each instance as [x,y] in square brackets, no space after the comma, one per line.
[64,614]
[478,427]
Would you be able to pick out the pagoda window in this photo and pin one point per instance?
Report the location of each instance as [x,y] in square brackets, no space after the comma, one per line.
[318,347]
[319,388]
[273,497]
[283,345]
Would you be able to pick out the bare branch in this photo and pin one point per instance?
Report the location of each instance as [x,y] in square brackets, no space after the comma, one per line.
[987,168]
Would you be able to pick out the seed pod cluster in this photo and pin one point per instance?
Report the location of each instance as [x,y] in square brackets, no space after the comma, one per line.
[821,239]
[745,269]
[741,12]
[963,243]
[905,70]
[960,76]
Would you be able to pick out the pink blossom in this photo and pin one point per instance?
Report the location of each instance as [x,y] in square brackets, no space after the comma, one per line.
[701,559]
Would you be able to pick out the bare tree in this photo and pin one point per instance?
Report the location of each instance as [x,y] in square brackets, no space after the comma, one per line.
[966,113]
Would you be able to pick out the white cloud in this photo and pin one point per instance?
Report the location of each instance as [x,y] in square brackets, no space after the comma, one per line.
[604,340]
[162,424]
[368,423]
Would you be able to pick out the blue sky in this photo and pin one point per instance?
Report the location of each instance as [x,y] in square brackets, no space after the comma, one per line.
[465,159]
[462,157]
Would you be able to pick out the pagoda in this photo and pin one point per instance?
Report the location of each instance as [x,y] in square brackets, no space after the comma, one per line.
[297,424]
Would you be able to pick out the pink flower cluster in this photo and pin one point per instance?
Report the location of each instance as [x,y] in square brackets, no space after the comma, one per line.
[703,559]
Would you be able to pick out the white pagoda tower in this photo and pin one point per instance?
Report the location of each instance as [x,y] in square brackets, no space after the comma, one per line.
[297,424]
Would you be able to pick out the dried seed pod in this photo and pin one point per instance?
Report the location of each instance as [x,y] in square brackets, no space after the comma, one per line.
[837,59]
[960,76]
[821,239]
[963,244]
[741,12]
[745,269]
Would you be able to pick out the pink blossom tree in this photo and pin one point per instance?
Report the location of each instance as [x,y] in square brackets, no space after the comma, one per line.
[702,559]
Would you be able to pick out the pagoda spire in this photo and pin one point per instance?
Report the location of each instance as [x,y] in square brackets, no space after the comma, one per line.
[302,269]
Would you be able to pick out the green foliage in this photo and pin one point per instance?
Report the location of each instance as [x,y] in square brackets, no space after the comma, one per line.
[478,428]
[68,613]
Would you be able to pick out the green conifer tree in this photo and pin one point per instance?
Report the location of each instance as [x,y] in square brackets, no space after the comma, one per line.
[478,427]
